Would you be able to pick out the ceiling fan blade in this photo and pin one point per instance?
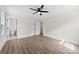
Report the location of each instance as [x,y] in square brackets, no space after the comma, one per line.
[44,11]
[41,6]
[33,9]
[35,13]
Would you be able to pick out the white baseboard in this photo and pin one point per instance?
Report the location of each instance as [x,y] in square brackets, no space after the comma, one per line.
[58,38]
[26,35]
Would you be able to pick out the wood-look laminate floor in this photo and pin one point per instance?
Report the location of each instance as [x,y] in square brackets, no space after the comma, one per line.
[38,45]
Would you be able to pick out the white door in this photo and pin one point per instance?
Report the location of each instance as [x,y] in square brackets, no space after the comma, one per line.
[11,28]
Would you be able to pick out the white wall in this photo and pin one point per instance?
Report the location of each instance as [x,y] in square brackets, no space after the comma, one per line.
[63,23]
[25,19]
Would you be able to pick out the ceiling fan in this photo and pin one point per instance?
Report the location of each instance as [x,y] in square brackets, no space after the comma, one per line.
[39,10]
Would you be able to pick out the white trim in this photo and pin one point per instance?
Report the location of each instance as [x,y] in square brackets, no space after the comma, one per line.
[58,38]
[27,35]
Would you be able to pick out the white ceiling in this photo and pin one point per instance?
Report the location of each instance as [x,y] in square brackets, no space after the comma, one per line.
[23,10]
